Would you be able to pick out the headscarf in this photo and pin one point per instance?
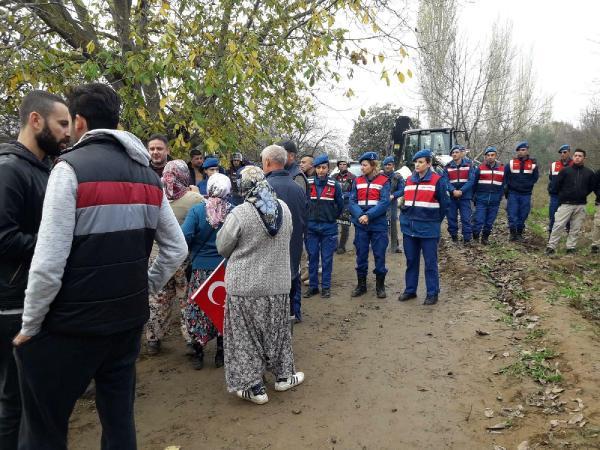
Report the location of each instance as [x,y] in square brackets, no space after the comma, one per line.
[217,204]
[176,179]
[257,191]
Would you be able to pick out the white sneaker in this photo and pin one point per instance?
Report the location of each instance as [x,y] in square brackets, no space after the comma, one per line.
[256,395]
[290,382]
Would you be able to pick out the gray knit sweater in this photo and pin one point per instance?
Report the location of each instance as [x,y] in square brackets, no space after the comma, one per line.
[258,264]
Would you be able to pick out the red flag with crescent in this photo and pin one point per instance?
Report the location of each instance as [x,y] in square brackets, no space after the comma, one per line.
[210,297]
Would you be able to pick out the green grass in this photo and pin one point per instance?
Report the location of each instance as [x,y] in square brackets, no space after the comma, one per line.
[535,365]
[535,334]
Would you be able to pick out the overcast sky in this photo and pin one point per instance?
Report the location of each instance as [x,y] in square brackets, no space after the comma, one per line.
[562,36]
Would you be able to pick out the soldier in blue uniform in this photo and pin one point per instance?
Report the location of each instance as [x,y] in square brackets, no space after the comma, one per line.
[426,201]
[521,174]
[460,174]
[396,190]
[369,201]
[326,204]
[488,190]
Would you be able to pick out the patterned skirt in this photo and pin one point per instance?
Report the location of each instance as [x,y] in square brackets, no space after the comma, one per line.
[257,337]
[199,326]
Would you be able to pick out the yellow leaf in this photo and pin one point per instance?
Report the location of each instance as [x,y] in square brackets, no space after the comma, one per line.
[403,52]
[163,102]
[90,47]
[142,112]
[330,20]
[381,57]
[211,144]
[14,81]
[365,19]
[401,77]
[409,73]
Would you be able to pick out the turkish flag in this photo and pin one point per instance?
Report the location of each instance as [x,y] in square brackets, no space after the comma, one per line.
[210,297]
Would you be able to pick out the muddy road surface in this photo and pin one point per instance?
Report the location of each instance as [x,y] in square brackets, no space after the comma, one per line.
[381,374]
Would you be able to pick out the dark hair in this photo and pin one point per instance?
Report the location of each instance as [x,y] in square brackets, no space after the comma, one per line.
[196,152]
[41,102]
[97,103]
[159,137]
[289,146]
[580,150]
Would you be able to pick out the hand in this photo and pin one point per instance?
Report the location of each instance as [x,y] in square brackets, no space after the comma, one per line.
[363,220]
[20,339]
[391,197]
[456,193]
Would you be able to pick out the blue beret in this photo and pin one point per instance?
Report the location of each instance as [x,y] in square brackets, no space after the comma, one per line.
[455,147]
[490,149]
[321,159]
[564,147]
[425,153]
[389,160]
[210,162]
[522,144]
[368,156]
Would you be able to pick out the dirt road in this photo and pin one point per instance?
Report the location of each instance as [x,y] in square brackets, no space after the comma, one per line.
[382,375]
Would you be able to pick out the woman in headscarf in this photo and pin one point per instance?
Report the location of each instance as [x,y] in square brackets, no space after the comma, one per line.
[200,231]
[176,184]
[256,239]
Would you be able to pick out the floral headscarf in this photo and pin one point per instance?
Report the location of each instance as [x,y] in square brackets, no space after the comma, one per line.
[217,204]
[257,191]
[176,179]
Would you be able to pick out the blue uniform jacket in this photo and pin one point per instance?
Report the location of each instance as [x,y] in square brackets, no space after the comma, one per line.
[421,228]
[521,183]
[376,213]
[201,239]
[488,193]
[466,188]
[327,227]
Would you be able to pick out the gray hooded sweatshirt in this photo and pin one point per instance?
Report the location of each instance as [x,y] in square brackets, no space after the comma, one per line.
[55,237]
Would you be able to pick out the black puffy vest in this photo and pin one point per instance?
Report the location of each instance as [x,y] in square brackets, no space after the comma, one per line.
[105,283]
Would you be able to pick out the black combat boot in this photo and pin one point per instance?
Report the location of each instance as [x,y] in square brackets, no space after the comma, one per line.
[513,234]
[476,237]
[380,285]
[219,356]
[485,238]
[519,236]
[198,358]
[361,287]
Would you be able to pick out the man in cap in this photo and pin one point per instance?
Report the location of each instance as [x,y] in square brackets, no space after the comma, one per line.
[565,160]
[460,174]
[236,164]
[396,190]
[210,166]
[292,165]
[521,174]
[24,170]
[488,189]
[325,206]
[369,201]
[573,184]
[346,180]
[426,201]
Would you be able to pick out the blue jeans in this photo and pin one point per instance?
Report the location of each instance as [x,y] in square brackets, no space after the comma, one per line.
[413,247]
[323,246]
[517,210]
[462,206]
[485,216]
[379,242]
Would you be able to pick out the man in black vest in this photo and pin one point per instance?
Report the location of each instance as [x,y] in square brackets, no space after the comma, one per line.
[24,171]
[87,296]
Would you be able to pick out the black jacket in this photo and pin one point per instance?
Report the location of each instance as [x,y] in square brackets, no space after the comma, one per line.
[287,190]
[597,188]
[23,180]
[574,184]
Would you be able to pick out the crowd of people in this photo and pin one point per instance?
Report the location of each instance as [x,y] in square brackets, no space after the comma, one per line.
[102,236]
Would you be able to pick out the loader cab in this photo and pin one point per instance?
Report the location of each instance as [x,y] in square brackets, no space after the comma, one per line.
[438,140]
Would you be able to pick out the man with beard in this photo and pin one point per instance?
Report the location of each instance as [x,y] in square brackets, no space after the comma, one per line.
[87,295]
[24,171]
[158,147]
